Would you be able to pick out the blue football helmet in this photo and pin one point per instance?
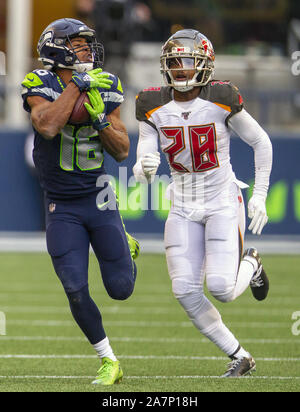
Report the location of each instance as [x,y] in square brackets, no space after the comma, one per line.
[55,53]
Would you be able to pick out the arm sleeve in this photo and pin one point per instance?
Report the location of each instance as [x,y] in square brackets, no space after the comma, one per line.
[147,144]
[254,135]
[113,97]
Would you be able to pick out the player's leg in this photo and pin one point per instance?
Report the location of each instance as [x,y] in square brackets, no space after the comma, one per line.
[68,245]
[228,271]
[250,265]
[227,274]
[227,277]
[185,252]
[115,250]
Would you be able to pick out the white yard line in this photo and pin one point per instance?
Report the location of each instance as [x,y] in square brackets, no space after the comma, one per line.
[144,310]
[146,377]
[36,242]
[141,339]
[148,324]
[140,357]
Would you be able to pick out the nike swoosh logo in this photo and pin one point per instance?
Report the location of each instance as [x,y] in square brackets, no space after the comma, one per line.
[31,80]
[100,206]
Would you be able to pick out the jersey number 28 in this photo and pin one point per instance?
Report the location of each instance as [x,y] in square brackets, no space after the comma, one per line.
[202,143]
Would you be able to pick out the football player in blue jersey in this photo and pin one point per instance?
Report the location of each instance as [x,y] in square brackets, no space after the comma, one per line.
[69,160]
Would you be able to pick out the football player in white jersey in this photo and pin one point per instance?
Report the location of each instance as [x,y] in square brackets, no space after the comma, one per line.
[193,118]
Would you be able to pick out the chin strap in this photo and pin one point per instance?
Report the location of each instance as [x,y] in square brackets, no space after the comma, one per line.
[78,67]
[83,67]
[183,88]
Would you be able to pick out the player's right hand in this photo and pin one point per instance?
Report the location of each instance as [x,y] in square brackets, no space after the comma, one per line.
[91,79]
[150,163]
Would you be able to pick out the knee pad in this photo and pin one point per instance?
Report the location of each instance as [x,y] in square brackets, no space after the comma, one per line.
[79,297]
[119,278]
[220,289]
[181,286]
[183,282]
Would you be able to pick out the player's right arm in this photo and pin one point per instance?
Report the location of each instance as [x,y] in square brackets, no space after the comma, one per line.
[147,155]
[49,108]
[48,118]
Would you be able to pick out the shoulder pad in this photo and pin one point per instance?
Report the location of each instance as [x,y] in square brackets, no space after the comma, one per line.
[37,78]
[31,80]
[224,93]
[150,99]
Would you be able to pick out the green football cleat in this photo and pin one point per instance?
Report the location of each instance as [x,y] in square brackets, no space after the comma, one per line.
[109,373]
[134,246]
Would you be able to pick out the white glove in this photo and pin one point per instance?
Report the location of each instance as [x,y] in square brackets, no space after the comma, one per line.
[258,213]
[150,163]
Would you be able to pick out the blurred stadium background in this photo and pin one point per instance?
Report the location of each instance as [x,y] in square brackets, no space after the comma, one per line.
[255,43]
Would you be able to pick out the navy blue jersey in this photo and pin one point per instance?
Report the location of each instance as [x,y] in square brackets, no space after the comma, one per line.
[68,165]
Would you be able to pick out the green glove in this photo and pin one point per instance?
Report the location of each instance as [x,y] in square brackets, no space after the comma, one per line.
[91,79]
[96,109]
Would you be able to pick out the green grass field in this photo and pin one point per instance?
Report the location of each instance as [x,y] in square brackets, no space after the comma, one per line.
[160,351]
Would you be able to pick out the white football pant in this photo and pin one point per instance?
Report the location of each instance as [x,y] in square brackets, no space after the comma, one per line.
[209,244]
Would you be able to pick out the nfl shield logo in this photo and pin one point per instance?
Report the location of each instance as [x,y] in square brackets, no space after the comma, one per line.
[185,115]
[52,207]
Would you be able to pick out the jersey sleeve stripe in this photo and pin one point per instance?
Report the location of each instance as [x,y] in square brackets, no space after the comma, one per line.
[113,97]
[148,114]
[44,92]
[223,106]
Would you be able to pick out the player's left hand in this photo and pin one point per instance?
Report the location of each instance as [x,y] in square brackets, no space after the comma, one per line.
[91,79]
[258,213]
[96,109]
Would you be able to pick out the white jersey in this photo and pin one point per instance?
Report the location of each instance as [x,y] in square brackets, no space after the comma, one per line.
[195,138]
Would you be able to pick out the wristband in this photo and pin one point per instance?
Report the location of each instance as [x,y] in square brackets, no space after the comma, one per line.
[101,123]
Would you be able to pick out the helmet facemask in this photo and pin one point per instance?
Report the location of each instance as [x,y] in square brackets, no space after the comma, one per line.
[96,51]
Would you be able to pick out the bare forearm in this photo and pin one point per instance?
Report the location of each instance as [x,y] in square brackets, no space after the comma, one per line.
[50,118]
[115,140]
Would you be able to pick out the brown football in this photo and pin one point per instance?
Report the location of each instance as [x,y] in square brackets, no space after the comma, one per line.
[79,113]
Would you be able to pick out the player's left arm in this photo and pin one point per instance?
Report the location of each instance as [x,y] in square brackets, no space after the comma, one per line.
[110,127]
[115,138]
[243,124]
